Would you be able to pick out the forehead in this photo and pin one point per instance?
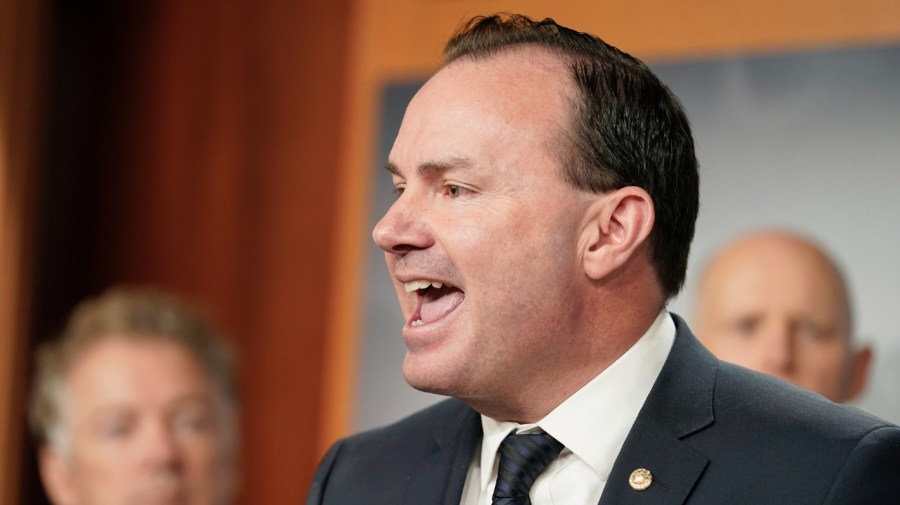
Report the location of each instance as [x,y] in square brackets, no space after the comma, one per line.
[778,276]
[144,370]
[519,96]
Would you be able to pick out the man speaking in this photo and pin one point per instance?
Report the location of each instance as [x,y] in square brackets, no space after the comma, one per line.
[547,193]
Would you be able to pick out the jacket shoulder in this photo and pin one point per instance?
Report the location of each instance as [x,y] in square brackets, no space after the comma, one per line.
[745,395]
[375,466]
[772,442]
[424,424]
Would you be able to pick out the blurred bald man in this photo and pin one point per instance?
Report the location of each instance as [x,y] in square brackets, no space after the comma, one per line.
[774,301]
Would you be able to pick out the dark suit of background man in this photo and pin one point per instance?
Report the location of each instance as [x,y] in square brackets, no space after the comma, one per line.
[547,192]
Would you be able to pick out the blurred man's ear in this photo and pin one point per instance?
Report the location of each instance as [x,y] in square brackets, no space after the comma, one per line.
[57,476]
[859,372]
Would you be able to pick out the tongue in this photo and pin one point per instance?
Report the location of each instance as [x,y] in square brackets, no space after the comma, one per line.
[435,307]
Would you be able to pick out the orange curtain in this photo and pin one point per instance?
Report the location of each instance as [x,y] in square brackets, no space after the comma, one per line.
[193,146]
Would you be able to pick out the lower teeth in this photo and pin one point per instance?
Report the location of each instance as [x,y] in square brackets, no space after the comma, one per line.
[417,322]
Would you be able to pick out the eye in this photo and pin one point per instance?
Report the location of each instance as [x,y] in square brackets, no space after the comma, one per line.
[454,191]
[193,420]
[745,326]
[115,427]
[399,184]
[811,330]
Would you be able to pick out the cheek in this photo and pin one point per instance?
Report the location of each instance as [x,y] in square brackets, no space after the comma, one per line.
[204,469]
[518,256]
[739,349]
[501,222]
[102,478]
[512,264]
[96,456]
[201,449]
[524,287]
[751,358]
[826,359]
[726,351]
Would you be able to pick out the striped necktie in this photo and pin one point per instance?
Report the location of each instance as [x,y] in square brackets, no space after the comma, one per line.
[522,459]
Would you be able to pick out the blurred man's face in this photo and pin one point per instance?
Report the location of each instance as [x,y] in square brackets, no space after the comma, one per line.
[777,306]
[142,429]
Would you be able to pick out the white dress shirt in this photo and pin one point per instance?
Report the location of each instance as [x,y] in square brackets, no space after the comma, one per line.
[592,424]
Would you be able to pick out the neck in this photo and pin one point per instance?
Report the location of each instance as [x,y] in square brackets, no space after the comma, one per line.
[528,399]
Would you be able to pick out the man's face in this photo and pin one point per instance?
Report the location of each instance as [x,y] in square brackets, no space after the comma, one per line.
[776,306]
[484,213]
[142,425]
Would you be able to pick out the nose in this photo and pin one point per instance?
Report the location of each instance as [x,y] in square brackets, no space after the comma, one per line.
[159,445]
[778,353]
[403,227]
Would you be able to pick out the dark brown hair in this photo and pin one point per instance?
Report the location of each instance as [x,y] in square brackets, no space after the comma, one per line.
[628,128]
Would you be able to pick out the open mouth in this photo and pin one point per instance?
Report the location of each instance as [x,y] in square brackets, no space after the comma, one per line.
[434,300]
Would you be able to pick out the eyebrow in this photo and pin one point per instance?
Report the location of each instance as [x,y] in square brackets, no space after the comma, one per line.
[432,167]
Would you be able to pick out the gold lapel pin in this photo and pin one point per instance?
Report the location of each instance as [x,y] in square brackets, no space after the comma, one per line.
[640,479]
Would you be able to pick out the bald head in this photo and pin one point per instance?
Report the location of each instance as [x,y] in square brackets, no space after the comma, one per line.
[776,303]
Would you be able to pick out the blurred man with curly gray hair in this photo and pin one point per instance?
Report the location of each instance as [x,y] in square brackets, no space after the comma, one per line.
[136,403]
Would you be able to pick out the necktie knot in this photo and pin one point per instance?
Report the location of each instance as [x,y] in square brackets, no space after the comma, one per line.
[522,459]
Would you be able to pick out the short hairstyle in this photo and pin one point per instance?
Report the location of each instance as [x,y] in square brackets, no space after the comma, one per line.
[628,129]
[132,313]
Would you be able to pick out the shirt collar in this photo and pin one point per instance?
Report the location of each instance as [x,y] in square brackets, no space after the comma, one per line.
[594,422]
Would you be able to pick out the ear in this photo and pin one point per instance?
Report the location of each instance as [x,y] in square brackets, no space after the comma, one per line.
[56,474]
[616,227]
[859,372]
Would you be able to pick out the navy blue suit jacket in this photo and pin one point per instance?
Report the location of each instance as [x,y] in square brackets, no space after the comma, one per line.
[709,432]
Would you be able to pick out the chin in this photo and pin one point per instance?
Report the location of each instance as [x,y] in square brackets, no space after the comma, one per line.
[429,378]
[427,385]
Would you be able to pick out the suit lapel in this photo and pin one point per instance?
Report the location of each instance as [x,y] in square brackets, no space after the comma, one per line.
[679,404]
[438,476]
[674,466]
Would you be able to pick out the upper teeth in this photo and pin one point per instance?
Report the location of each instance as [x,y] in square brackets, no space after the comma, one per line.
[421,284]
